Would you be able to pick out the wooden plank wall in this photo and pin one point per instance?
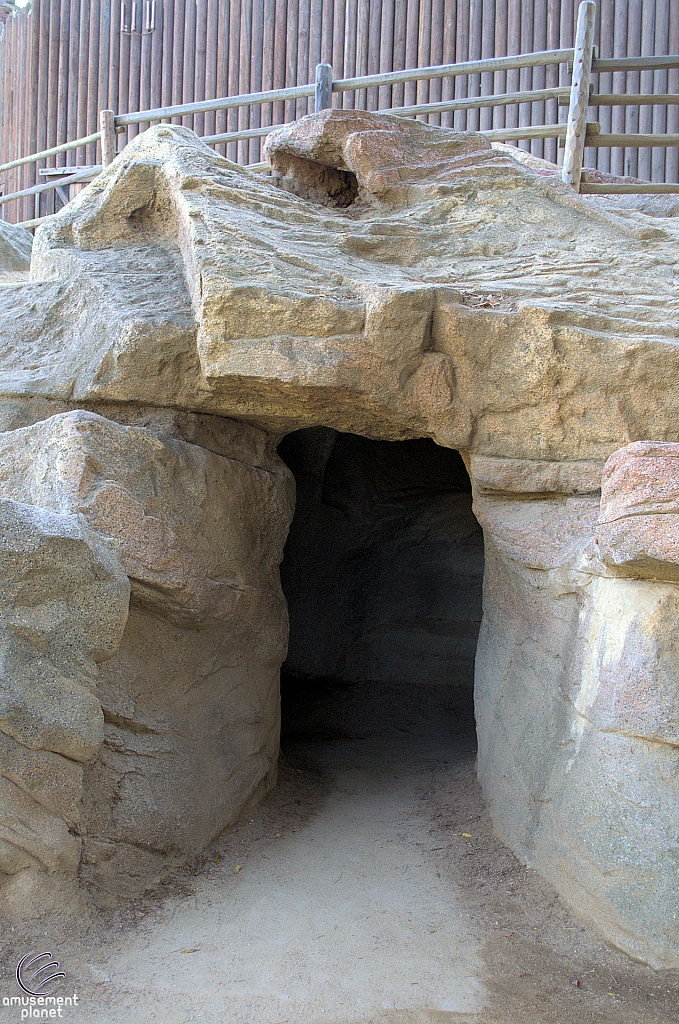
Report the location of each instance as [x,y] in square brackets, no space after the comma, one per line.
[61,61]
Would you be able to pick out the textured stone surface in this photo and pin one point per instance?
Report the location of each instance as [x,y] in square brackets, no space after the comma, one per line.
[638,530]
[391,280]
[190,698]
[577,707]
[381,159]
[478,304]
[63,606]
[15,248]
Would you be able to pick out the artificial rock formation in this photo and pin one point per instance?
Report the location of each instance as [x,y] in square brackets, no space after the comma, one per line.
[15,249]
[189,698]
[390,280]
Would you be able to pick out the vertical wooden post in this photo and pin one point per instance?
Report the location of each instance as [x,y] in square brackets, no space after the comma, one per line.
[62,78]
[337,60]
[362,35]
[574,149]
[350,39]
[108,136]
[93,78]
[374,27]
[323,87]
[304,25]
[291,55]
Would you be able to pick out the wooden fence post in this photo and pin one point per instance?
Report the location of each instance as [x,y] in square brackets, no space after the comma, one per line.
[323,87]
[576,130]
[108,137]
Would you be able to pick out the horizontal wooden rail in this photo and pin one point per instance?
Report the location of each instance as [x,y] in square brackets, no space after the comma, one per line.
[646,188]
[547,131]
[348,84]
[247,133]
[224,103]
[72,179]
[64,148]
[593,137]
[635,63]
[33,223]
[631,99]
[632,140]
[471,103]
[501,100]
[470,67]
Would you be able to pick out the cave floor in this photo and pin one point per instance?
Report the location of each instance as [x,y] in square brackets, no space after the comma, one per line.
[367,889]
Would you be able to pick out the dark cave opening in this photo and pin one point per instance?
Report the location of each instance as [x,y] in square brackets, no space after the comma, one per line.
[383,573]
[317,182]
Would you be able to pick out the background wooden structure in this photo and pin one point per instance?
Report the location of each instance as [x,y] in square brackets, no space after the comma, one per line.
[61,61]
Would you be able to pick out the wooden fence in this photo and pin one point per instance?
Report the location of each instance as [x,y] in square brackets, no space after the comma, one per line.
[62,61]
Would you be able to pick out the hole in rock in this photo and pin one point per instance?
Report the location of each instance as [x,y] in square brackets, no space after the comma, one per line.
[383,573]
[319,183]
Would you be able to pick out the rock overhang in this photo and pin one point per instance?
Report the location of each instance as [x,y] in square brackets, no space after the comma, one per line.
[467,299]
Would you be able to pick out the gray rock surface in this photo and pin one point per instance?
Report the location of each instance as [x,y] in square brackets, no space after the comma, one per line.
[63,607]
[190,699]
[15,248]
[576,707]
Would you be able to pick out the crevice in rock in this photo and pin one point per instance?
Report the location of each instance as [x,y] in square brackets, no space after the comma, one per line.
[317,182]
[128,724]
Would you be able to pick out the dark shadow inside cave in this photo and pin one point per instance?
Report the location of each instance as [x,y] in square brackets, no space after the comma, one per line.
[383,572]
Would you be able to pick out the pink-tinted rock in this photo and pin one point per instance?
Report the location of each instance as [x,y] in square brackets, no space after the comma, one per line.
[340,155]
[638,531]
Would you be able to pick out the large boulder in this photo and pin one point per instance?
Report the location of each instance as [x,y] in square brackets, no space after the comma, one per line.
[577,702]
[64,599]
[638,529]
[190,699]
[469,301]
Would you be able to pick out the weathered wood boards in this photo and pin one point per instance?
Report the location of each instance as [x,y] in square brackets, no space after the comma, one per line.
[63,61]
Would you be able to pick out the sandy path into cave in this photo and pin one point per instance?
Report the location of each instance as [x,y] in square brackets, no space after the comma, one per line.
[344,918]
[372,891]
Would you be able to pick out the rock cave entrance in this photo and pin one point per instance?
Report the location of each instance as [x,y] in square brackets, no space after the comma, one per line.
[383,572]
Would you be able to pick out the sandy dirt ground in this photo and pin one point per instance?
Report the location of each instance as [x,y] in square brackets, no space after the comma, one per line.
[367,889]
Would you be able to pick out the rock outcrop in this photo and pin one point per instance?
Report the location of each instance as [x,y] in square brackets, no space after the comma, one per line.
[190,697]
[15,248]
[64,599]
[391,280]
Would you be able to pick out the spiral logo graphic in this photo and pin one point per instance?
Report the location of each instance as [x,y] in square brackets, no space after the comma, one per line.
[35,984]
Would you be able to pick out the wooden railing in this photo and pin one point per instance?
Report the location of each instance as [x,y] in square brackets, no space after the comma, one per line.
[575,134]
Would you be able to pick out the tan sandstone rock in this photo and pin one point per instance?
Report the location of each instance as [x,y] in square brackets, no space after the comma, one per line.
[190,699]
[63,607]
[638,529]
[15,248]
[484,306]
[393,280]
[577,712]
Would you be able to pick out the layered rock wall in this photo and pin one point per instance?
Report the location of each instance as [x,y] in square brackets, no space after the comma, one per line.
[577,692]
